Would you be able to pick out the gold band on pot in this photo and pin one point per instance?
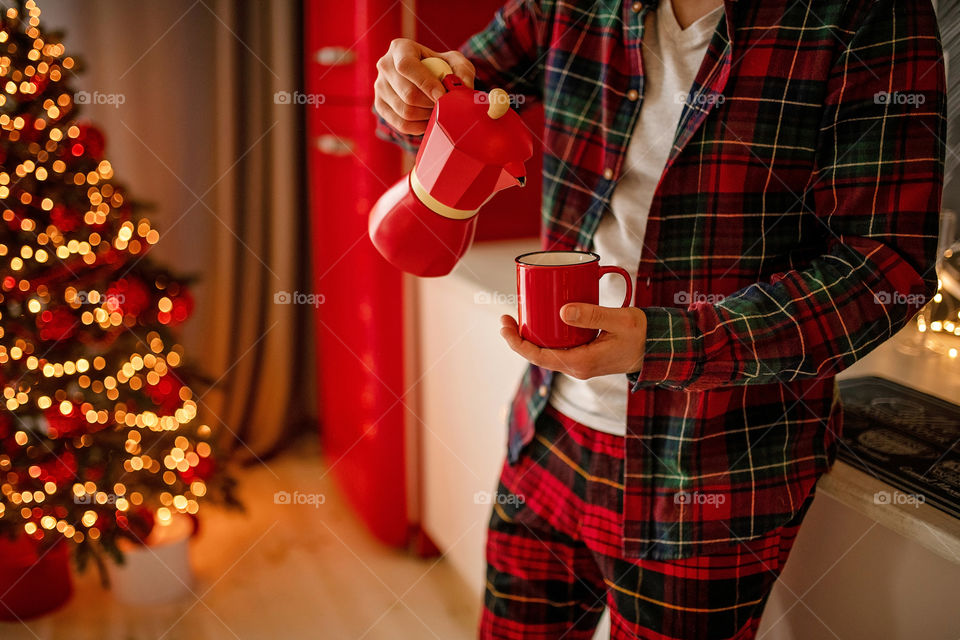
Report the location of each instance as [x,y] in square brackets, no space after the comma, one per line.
[435,205]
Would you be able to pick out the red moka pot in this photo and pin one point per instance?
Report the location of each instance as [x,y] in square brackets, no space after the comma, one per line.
[474,146]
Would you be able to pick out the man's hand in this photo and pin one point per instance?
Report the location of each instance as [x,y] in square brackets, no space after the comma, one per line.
[618,349]
[405,90]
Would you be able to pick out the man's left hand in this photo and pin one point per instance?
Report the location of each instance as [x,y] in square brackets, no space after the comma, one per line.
[618,349]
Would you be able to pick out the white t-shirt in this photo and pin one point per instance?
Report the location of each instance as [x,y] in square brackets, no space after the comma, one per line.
[671,60]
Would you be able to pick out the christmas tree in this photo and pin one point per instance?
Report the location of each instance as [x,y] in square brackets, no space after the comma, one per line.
[99,438]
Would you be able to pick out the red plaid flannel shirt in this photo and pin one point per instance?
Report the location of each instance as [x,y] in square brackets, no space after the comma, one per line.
[793,230]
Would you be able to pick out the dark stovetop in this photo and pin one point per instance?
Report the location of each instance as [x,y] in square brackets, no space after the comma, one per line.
[909,439]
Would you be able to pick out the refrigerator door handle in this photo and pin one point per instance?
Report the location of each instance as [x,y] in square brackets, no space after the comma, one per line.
[333,145]
[334,56]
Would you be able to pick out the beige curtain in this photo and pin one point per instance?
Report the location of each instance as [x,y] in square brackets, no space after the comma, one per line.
[200,136]
[259,343]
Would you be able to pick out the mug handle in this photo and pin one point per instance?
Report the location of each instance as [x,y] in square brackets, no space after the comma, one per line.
[626,278]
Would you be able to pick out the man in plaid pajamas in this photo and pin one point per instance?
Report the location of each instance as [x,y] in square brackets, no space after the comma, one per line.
[788,229]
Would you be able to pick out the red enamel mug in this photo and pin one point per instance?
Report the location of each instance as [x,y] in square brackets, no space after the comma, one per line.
[547,280]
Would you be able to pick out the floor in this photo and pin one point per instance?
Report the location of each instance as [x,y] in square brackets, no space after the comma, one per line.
[279,571]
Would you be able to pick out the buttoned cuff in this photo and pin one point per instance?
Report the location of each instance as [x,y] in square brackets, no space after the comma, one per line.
[674,354]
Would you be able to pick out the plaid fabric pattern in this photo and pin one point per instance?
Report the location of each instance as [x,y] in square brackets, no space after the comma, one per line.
[793,230]
[554,556]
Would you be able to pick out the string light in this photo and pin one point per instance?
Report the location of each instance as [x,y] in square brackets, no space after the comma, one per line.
[74,278]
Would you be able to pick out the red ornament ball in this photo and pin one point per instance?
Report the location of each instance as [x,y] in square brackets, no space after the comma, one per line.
[66,426]
[203,471]
[166,393]
[128,295]
[39,82]
[89,141]
[182,306]
[65,219]
[57,324]
[59,470]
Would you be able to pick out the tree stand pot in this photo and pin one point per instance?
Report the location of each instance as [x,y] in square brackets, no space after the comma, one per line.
[34,578]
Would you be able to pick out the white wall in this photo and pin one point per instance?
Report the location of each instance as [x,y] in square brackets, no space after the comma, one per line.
[159,57]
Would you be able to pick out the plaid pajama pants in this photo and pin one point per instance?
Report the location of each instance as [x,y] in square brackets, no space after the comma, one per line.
[554,556]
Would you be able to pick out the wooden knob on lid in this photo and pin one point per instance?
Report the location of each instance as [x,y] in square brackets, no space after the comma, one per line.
[499,103]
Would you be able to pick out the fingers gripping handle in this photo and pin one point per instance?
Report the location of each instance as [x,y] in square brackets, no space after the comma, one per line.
[498,99]
[626,278]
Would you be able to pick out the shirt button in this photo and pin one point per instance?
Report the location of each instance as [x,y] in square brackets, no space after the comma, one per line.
[608,174]
[543,391]
[636,6]
[632,95]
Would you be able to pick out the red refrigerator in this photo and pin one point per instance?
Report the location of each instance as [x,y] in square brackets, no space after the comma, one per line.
[365,349]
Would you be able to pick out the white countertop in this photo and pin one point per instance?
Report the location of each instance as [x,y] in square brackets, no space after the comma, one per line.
[490,267]
[931,374]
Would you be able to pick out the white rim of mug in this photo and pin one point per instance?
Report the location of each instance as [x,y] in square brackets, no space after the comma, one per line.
[520,262]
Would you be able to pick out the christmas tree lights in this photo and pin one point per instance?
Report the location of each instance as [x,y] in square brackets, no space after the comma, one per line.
[99,436]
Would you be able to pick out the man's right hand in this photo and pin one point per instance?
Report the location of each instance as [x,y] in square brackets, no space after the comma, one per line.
[405,90]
